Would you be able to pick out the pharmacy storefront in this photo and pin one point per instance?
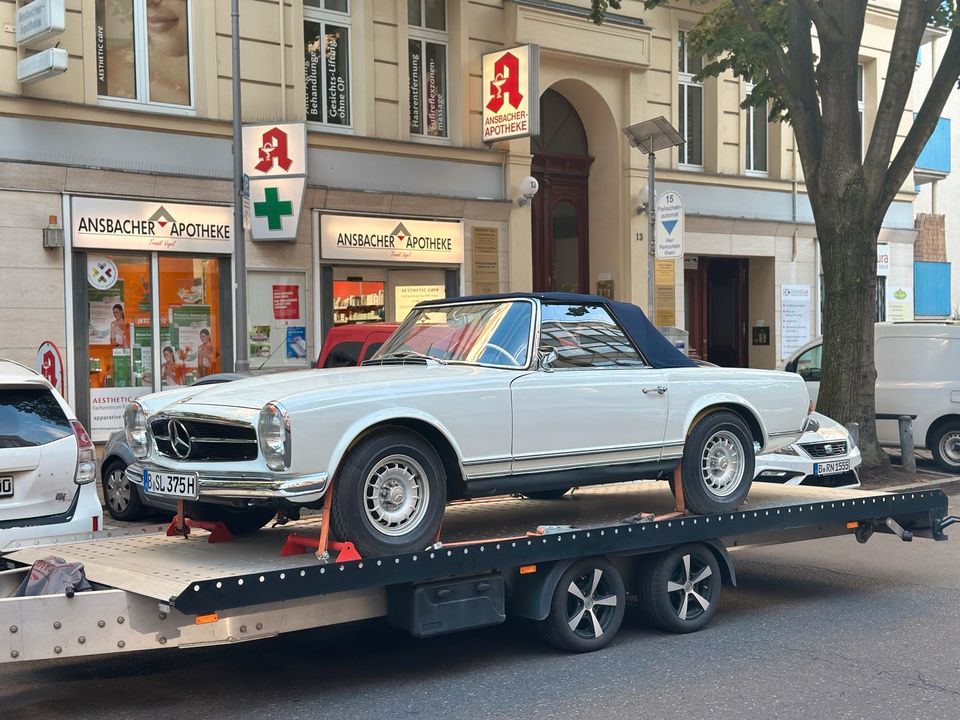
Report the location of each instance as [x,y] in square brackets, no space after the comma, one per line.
[375,269]
[150,302]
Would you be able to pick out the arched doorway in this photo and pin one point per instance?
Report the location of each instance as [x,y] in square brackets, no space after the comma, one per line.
[561,164]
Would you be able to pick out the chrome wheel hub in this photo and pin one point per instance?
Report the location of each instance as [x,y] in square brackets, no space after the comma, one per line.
[396,495]
[722,463]
[591,604]
[689,589]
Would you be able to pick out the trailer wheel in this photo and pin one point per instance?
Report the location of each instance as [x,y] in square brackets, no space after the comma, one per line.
[587,607]
[390,494]
[718,464]
[679,589]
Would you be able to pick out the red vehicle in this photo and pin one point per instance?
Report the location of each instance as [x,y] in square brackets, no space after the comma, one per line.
[347,345]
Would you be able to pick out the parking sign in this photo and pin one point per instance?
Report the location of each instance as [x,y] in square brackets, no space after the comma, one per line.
[669,240]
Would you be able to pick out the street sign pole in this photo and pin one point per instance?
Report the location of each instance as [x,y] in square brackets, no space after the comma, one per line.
[241,359]
[651,228]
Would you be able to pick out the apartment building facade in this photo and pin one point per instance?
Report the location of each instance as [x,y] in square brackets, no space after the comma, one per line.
[137,130]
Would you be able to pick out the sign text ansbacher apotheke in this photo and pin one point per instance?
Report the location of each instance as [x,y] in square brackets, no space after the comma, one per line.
[511,93]
[350,237]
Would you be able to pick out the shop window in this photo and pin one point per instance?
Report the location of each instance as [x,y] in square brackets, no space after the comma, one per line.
[427,65]
[276,312]
[357,301]
[119,337]
[189,320]
[143,52]
[690,108]
[326,37]
[756,137]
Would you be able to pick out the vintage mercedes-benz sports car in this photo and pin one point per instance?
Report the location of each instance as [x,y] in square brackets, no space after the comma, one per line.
[521,393]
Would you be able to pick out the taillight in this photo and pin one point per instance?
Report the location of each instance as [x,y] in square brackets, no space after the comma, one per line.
[86,455]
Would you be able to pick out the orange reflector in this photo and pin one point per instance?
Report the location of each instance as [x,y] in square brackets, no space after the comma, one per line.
[852,525]
[527,569]
[96,523]
[207,619]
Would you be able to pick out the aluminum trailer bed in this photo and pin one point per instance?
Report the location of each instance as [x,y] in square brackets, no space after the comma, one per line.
[153,591]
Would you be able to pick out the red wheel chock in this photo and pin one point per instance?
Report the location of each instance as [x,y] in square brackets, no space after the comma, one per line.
[298,544]
[218,531]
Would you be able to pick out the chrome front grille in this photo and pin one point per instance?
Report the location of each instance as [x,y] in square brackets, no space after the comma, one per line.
[182,438]
[836,448]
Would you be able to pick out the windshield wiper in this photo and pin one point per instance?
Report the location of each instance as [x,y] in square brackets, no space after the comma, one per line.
[402,354]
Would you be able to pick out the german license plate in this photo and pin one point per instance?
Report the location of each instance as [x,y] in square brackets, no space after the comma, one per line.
[831,468]
[6,486]
[178,485]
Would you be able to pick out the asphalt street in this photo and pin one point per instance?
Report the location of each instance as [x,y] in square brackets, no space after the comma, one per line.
[818,629]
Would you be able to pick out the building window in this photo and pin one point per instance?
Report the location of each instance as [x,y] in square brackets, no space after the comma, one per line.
[860,106]
[881,313]
[143,52]
[427,64]
[326,61]
[756,137]
[690,99]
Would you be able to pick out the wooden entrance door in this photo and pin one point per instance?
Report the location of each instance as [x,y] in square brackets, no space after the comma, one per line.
[559,216]
[716,303]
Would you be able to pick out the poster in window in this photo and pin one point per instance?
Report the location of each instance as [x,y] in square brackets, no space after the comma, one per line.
[415,61]
[336,42]
[313,69]
[107,317]
[436,101]
[168,49]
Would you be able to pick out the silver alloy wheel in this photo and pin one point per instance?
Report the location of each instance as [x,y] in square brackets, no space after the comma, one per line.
[950,447]
[690,584]
[118,491]
[396,495]
[591,604]
[722,463]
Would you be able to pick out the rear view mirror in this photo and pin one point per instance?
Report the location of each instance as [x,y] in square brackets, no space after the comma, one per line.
[547,356]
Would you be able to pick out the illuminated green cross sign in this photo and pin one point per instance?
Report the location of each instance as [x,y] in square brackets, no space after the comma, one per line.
[273,208]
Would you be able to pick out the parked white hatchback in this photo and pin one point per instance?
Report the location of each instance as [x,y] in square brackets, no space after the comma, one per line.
[918,373]
[825,456]
[47,463]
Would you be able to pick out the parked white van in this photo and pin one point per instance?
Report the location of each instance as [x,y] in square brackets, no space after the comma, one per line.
[918,373]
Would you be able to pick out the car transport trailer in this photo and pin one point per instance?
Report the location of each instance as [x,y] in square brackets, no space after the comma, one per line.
[152,591]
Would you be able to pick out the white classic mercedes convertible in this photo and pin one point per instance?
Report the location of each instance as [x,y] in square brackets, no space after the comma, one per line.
[521,393]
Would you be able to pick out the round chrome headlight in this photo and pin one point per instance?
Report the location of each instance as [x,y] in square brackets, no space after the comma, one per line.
[135,428]
[273,432]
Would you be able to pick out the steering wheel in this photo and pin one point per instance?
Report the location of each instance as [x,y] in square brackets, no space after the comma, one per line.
[511,360]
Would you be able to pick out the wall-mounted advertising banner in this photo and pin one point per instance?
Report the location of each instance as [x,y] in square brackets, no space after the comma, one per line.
[277,150]
[883,259]
[275,169]
[511,93]
[353,237]
[143,226]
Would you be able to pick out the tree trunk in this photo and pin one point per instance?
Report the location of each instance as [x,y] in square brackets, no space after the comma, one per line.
[848,243]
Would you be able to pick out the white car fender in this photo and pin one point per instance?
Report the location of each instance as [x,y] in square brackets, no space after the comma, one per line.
[363,424]
[717,402]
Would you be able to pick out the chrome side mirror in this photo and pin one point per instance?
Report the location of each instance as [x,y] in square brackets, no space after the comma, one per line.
[547,356]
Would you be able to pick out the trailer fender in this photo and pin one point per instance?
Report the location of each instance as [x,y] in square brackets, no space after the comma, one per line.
[531,592]
[723,557]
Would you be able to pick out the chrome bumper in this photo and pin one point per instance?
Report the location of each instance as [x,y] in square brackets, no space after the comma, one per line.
[244,486]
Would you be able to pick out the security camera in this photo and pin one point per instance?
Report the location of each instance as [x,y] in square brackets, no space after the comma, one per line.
[528,188]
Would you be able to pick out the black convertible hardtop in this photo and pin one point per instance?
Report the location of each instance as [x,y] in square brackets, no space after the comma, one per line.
[658,351]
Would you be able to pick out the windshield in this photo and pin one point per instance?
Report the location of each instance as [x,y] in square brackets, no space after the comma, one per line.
[494,333]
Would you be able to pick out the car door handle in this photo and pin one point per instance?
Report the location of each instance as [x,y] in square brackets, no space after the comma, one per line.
[659,389]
